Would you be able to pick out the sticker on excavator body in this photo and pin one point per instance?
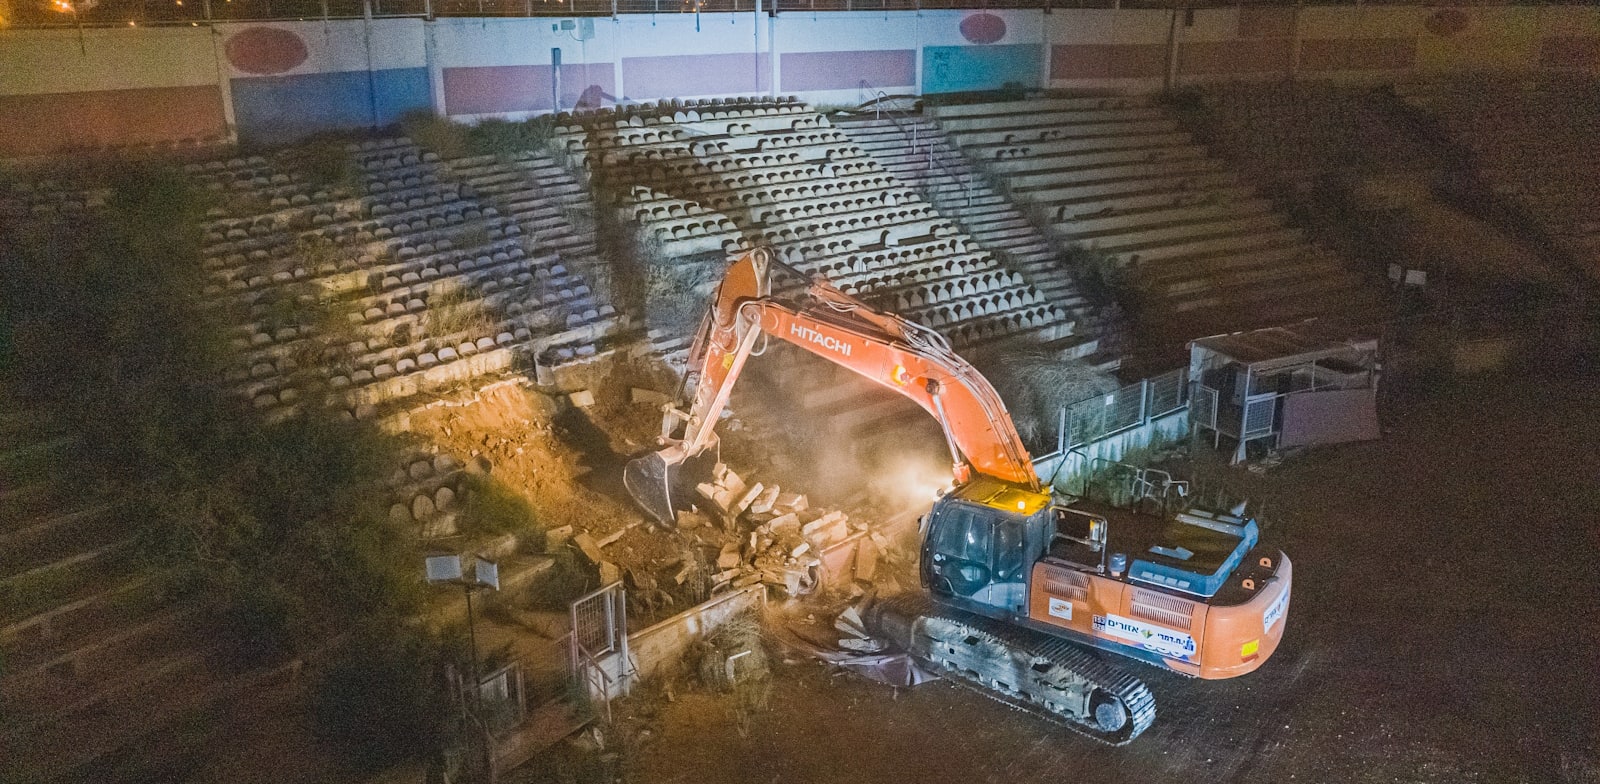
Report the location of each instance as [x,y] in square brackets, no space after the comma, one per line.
[1167,642]
[1061,608]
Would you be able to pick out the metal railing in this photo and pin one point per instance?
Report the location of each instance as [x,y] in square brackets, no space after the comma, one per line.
[123,13]
[599,628]
[1131,406]
[879,112]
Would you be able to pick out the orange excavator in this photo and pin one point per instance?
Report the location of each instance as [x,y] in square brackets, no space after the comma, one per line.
[1024,590]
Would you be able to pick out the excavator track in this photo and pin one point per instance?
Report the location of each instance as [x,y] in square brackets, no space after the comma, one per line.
[1048,677]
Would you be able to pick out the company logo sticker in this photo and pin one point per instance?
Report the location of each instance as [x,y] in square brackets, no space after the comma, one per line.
[1167,642]
[1275,611]
[1061,608]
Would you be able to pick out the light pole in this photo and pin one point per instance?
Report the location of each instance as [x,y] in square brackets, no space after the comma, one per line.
[447,569]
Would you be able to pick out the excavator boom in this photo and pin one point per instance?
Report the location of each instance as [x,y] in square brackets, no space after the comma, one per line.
[900,355]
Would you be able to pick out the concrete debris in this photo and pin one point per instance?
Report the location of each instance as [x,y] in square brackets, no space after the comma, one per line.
[583,398]
[609,573]
[866,564]
[684,572]
[612,537]
[747,498]
[590,549]
[868,645]
[776,538]
[850,623]
[762,504]
[790,502]
[556,537]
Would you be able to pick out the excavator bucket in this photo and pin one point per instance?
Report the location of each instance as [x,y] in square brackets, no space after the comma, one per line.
[662,486]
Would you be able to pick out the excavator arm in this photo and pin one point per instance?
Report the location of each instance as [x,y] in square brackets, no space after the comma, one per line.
[897,354]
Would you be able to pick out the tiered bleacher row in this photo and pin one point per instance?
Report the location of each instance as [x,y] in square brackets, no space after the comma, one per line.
[1536,143]
[707,179]
[915,150]
[1117,175]
[428,284]
[438,287]
[1291,132]
[94,651]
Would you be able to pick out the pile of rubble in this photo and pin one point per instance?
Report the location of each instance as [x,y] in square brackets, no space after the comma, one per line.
[778,539]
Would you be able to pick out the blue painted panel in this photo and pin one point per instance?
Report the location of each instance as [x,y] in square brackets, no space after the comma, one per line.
[276,109]
[950,69]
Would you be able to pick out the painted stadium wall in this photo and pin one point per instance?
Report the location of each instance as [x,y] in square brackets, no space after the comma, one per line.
[274,82]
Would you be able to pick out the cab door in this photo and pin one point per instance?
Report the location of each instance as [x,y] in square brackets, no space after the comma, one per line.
[977,559]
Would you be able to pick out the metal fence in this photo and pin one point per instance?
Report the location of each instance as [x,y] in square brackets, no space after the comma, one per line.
[599,628]
[1129,407]
[121,13]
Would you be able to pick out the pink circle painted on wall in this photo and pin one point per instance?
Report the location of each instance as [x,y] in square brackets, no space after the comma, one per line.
[265,50]
[1446,22]
[983,28]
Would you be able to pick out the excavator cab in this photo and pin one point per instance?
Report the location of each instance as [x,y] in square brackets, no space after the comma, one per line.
[981,542]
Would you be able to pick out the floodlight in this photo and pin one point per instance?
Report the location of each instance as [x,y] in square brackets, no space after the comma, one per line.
[487,573]
[443,568]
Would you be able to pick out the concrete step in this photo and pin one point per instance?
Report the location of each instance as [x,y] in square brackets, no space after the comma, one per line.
[943,112]
[58,536]
[1164,241]
[1099,195]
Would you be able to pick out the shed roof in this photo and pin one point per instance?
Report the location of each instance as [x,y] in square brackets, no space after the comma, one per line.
[1302,341]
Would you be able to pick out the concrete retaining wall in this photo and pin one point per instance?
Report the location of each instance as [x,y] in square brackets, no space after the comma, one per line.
[660,649]
[277,81]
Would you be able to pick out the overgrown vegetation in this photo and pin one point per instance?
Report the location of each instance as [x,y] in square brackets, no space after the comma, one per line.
[1104,277]
[453,310]
[1036,384]
[327,163]
[276,528]
[503,138]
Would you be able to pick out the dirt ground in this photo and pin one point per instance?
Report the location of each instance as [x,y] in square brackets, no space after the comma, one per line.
[1443,629]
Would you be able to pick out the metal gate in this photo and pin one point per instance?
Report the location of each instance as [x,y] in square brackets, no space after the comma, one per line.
[599,629]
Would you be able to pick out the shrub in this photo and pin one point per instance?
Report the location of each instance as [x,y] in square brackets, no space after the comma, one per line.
[430,131]
[327,163]
[1036,384]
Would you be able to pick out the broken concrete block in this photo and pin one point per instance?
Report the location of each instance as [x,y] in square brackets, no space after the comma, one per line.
[590,549]
[799,550]
[762,503]
[729,557]
[747,580]
[732,483]
[609,573]
[556,537]
[650,397]
[583,398]
[850,623]
[866,560]
[746,498]
[726,575]
[790,502]
[684,573]
[781,526]
[822,522]
[615,535]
